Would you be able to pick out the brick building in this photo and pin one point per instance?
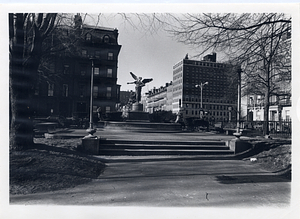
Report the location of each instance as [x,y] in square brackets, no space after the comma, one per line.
[219,95]
[67,89]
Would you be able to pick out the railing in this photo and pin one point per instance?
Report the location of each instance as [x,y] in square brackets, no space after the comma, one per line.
[280,128]
[276,128]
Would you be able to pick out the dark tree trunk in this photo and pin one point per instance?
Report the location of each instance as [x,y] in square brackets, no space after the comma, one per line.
[266,115]
[21,128]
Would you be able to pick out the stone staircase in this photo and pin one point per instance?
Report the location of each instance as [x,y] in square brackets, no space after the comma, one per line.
[146,148]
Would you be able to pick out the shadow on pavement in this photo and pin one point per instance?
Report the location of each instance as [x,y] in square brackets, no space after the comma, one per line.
[230,179]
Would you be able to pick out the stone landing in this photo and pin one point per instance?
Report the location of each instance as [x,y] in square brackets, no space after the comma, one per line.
[142,126]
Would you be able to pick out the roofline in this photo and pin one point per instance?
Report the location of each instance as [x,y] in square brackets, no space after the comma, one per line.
[98,27]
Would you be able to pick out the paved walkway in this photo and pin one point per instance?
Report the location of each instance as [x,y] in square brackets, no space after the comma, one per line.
[172,182]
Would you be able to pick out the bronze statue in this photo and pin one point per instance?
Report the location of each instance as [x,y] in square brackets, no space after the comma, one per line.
[139,83]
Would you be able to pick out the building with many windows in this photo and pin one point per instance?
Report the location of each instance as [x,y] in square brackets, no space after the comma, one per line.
[219,94]
[67,89]
[160,98]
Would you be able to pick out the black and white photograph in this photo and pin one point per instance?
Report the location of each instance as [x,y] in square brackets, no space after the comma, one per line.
[150,110]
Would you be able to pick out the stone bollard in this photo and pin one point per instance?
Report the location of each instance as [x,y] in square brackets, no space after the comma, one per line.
[237,145]
[91,145]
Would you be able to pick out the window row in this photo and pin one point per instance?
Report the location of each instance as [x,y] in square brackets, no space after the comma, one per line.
[89,37]
[208,64]
[102,92]
[96,54]
[106,73]
[98,91]
[208,106]
[192,99]
[65,90]
[213,113]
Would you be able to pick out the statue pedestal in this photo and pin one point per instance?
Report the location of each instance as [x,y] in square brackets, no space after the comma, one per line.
[137,113]
[137,107]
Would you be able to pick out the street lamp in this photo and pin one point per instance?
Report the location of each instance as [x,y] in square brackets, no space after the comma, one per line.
[201,88]
[238,132]
[91,130]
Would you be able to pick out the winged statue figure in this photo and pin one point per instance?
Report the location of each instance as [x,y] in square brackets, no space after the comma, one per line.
[139,83]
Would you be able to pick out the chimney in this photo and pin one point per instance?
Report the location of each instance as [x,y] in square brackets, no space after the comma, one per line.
[78,21]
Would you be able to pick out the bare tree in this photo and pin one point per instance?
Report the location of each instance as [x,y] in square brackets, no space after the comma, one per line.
[26,35]
[34,41]
[259,43]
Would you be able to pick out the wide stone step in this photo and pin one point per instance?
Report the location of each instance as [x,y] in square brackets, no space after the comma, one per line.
[143,148]
[161,142]
[163,147]
[147,152]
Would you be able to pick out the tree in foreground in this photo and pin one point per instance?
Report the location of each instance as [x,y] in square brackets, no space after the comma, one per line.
[33,41]
[26,35]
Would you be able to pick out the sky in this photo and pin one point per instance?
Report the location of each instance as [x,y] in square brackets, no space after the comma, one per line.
[146,55]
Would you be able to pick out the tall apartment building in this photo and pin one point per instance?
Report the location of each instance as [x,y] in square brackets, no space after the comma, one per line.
[67,89]
[219,95]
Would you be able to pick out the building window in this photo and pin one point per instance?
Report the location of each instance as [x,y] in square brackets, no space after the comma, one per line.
[108,92]
[84,53]
[287,115]
[88,37]
[106,39]
[97,54]
[95,91]
[82,72]
[81,90]
[37,90]
[109,72]
[96,71]
[95,109]
[50,90]
[83,68]
[110,56]
[65,90]
[66,69]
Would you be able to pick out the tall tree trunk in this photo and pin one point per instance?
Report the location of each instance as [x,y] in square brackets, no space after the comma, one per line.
[21,128]
[266,113]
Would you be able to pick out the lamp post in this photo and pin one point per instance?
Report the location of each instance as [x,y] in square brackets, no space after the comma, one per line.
[238,132]
[91,130]
[201,101]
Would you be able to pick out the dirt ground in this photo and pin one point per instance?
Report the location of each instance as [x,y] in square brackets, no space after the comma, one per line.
[54,164]
[51,165]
